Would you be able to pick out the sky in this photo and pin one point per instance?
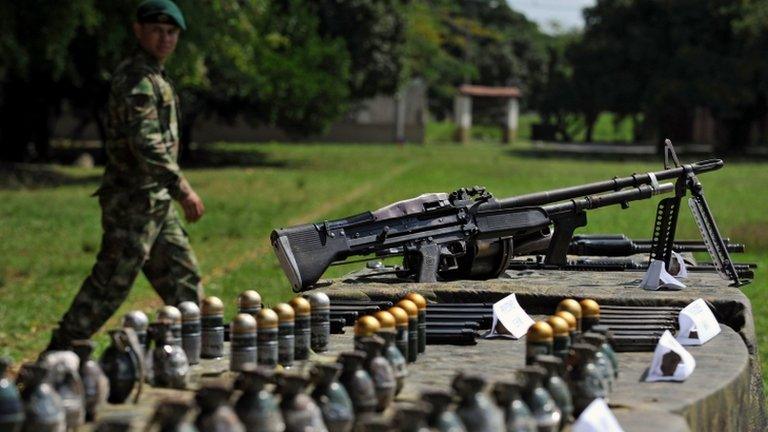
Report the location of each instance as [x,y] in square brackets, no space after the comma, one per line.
[566,12]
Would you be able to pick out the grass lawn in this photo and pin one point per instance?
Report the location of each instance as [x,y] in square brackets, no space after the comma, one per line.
[50,228]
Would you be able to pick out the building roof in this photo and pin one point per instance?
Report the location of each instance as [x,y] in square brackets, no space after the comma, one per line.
[487,91]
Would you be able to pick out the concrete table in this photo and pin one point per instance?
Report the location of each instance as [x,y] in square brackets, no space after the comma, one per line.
[724,393]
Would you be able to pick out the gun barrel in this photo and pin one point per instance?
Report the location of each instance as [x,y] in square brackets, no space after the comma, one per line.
[596,201]
[635,180]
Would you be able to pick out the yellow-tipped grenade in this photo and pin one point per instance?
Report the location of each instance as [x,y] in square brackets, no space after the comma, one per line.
[302,330]
[212,328]
[242,336]
[413,328]
[401,324]
[138,321]
[249,302]
[266,322]
[190,330]
[365,326]
[286,341]
[421,303]
[391,352]
[387,322]
[561,340]
[173,315]
[320,320]
[572,306]
[590,314]
[538,341]
[571,320]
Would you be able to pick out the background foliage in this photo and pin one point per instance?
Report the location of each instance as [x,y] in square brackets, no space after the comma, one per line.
[300,64]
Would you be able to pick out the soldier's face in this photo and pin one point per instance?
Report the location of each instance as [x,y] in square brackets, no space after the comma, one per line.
[159,40]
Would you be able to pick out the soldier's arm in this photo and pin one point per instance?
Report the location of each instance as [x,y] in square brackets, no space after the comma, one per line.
[147,143]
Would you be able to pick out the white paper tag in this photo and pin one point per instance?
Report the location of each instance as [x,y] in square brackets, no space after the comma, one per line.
[697,324]
[677,266]
[509,314]
[597,417]
[671,362]
[657,278]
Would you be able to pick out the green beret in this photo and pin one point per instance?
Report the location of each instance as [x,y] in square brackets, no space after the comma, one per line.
[160,11]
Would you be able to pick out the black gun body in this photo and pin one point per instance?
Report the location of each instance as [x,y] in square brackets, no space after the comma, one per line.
[436,232]
[306,251]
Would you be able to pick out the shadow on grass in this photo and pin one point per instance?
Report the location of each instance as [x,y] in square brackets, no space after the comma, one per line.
[38,176]
[223,158]
[602,157]
[532,153]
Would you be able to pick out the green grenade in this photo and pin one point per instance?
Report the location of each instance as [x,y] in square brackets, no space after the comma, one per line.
[11,407]
[538,399]
[517,415]
[538,340]
[556,385]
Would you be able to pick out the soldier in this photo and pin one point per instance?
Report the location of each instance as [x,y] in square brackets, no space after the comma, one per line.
[142,230]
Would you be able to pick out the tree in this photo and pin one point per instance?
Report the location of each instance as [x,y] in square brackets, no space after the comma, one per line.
[471,41]
[373,32]
[664,59]
[271,61]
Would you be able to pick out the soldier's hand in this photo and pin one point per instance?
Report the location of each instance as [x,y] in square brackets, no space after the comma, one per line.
[193,207]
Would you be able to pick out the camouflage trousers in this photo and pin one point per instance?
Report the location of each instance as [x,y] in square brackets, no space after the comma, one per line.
[142,232]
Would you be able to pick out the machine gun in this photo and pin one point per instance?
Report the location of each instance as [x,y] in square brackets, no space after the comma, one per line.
[467,234]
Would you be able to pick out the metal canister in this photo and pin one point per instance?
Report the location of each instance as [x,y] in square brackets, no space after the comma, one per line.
[393,355]
[538,341]
[286,341]
[401,337]
[321,320]
[365,326]
[421,303]
[138,321]
[267,321]
[242,336]
[302,330]
[173,315]
[190,330]
[413,328]
[212,328]
[572,306]
[561,338]
[590,314]
[571,320]
[249,302]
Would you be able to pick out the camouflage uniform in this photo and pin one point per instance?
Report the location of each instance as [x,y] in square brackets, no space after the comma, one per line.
[142,230]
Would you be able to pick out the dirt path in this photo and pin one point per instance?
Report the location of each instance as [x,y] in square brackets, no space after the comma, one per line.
[312,215]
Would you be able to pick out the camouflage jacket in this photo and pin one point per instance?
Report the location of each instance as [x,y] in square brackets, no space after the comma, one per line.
[143,131]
